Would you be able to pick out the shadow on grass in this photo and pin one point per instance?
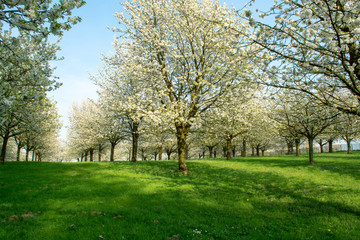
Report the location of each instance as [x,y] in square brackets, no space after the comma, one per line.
[341,163]
[151,200]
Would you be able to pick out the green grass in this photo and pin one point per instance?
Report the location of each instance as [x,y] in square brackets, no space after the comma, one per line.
[278,197]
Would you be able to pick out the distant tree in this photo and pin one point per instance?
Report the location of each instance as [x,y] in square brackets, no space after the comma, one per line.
[84,134]
[23,85]
[304,116]
[348,128]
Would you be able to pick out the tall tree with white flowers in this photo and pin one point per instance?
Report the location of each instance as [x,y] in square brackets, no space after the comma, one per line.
[196,60]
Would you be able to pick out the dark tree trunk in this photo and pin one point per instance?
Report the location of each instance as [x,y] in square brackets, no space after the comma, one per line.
[182,130]
[135,141]
[160,153]
[3,149]
[297,147]
[290,146]
[211,148]
[348,144]
[263,152]
[228,148]
[187,151]
[18,152]
[203,154]
[224,151]
[258,151]
[91,154]
[311,150]
[215,154]
[330,142]
[168,154]
[86,156]
[155,155]
[243,149]
[27,154]
[112,151]
[234,151]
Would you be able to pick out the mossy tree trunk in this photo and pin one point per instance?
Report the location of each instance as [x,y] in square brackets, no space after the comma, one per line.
[348,144]
[182,130]
[228,147]
[211,149]
[243,149]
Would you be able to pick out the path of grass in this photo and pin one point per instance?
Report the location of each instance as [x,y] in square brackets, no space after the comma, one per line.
[246,198]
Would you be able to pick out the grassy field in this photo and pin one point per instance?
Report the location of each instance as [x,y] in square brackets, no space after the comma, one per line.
[278,197]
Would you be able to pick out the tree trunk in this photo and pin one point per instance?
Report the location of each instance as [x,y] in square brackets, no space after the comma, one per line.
[3,149]
[155,155]
[135,142]
[263,152]
[18,152]
[311,150]
[258,151]
[91,154]
[160,152]
[27,154]
[330,142]
[348,144]
[112,151]
[215,154]
[234,151]
[228,147]
[224,151]
[290,146]
[187,151]
[86,156]
[142,154]
[211,148]
[99,155]
[243,149]
[297,147]
[33,157]
[182,129]
[321,146]
[168,154]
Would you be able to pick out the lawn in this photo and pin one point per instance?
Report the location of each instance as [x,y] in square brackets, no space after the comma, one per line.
[280,197]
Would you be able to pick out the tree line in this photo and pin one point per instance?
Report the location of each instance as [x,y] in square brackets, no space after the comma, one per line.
[197,69]
[187,70]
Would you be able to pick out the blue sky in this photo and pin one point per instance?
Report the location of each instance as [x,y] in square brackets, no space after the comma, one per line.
[83,46]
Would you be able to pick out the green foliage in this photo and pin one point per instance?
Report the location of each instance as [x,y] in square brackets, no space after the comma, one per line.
[278,197]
